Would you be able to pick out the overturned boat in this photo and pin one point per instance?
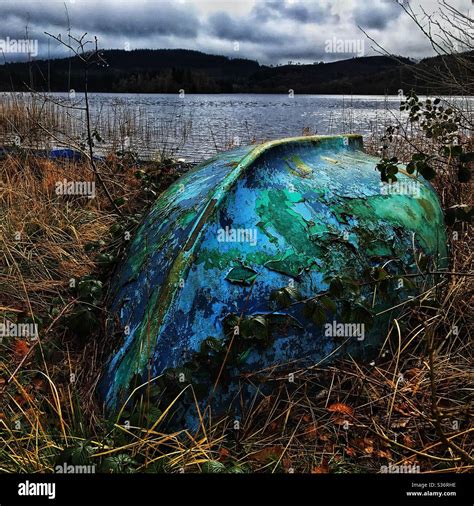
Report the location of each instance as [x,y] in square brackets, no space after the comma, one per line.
[266,259]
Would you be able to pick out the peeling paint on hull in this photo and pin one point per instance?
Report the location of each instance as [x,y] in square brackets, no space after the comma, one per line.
[249,221]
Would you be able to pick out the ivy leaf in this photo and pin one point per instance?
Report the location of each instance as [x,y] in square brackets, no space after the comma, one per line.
[336,287]
[90,290]
[105,259]
[254,327]
[453,151]
[361,314]
[379,274]
[328,303]
[237,469]
[315,311]
[284,297]
[408,283]
[242,275]
[211,344]
[153,414]
[83,321]
[426,171]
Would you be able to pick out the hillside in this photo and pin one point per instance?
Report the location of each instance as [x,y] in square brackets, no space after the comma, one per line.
[169,70]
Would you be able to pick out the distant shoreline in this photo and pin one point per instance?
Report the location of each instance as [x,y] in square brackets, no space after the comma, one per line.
[170,94]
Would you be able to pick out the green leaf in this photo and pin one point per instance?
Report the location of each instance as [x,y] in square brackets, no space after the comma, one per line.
[213,466]
[79,454]
[105,259]
[426,171]
[153,414]
[254,327]
[120,201]
[90,290]
[453,151]
[361,314]
[83,321]
[280,298]
[408,283]
[379,274]
[315,311]
[328,303]
[121,463]
[336,287]
[211,344]
[242,358]
[284,297]
[237,469]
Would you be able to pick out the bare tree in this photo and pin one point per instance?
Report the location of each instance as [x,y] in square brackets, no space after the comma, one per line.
[88,58]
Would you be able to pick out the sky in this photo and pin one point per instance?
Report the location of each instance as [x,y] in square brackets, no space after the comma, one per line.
[269,31]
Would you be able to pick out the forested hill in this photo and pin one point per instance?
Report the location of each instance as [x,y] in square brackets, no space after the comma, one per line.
[169,70]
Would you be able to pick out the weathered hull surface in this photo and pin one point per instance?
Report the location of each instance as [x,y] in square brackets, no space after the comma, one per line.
[223,238]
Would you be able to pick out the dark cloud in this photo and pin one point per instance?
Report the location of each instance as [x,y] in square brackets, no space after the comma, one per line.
[121,18]
[271,31]
[303,11]
[377,14]
[226,27]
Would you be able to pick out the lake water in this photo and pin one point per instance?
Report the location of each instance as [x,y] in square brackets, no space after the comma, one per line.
[195,127]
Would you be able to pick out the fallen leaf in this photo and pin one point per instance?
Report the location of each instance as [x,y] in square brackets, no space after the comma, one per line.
[339,407]
[266,454]
[322,469]
[369,450]
[411,373]
[20,348]
[385,454]
[342,420]
[311,433]
[403,409]
[350,452]
[400,423]
[408,441]
[224,454]
[38,383]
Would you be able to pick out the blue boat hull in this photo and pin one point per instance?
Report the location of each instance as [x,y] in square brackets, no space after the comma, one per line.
[234,274]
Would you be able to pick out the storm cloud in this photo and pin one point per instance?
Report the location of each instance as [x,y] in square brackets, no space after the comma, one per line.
[378,14]
[270,31]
